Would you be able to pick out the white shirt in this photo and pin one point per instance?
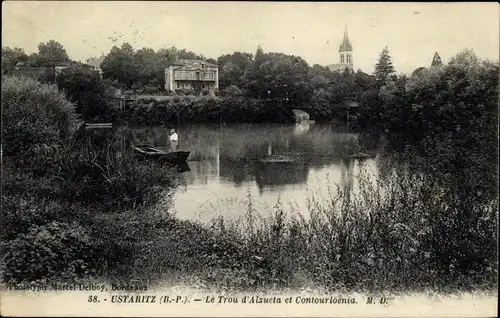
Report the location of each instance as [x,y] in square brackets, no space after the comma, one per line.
[174,137]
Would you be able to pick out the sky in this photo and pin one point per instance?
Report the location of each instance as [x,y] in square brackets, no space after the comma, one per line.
[413,32]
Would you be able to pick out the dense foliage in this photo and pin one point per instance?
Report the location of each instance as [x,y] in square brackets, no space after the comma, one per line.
[53,198]
[141,68]
[35,117]
[285,79]
[49,54]
[10,57]
[88,91]
[204,109]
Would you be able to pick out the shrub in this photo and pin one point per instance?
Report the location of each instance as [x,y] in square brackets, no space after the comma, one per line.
[54,250]
[36,117]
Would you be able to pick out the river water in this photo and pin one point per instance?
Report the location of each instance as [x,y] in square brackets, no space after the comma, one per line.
[234,167]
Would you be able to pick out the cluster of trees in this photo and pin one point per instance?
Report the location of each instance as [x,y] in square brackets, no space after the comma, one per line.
[49,54]
[91,94]
[144,67]
[241,75]
[449,111]
[326,95]
[83,87]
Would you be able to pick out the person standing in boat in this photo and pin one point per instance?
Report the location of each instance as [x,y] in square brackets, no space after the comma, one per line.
[174,140]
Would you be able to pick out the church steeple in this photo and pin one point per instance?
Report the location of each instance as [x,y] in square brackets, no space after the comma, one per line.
[345,46]
[436,61]
[345,52]
[345,55]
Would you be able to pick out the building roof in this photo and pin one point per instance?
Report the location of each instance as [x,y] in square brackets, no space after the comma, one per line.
[339,67]
[95,61]
[74,64]
[193,63]
[346,44]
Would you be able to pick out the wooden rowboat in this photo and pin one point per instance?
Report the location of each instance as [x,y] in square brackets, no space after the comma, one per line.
[99,125]
[282,159]
[147,151]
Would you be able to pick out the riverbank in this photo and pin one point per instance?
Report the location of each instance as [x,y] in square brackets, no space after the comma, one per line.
[365,243]
[203,109]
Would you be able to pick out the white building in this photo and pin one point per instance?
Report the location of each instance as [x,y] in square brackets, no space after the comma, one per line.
[192,75]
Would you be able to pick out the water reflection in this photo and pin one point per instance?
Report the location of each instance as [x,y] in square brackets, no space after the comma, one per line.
[229,164]
[274,174]
[301,128]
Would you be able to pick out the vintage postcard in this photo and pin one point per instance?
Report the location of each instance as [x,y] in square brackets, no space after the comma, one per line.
[233,159]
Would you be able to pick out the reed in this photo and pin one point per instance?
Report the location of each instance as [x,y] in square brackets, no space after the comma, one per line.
[389,236]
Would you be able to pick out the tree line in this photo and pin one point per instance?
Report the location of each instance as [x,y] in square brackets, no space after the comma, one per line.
[323,93]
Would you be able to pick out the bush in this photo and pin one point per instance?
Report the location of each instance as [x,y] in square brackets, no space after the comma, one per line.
[54,250]
[36,117]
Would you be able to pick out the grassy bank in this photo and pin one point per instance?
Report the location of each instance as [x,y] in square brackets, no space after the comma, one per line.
[399,236]
[403,235]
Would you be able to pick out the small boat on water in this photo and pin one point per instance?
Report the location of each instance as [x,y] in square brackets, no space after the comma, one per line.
[98,125]
[147,151]
[284,158]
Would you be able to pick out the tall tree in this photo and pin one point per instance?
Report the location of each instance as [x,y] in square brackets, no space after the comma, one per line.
[465,58]
[147,66]
[120,65]
[278,74]
[384,68]
[320,76]
[51,53]
[87,90]
[253,75]
[232,67]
